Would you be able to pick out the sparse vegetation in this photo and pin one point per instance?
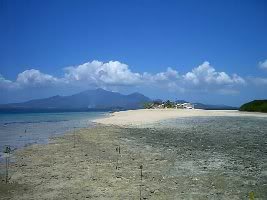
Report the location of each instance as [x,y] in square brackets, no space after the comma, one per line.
[166,104]
[141,178]
[90,174]
[148,105]
[169,104]
[7,152]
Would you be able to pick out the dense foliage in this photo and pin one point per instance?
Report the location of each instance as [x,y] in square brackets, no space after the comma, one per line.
[255,106]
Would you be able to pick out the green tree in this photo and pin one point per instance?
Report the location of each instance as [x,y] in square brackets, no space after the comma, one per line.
[169,104]
[147,105]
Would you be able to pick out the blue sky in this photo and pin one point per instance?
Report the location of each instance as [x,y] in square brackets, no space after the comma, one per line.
[202,51]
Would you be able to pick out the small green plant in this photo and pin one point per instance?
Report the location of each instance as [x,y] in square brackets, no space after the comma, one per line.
[141,178]
[251,195]
[7,151]
[118,151]
[169,104]
[147,105]
[74,137]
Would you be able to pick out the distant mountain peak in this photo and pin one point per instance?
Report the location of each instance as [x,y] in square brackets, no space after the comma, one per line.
[56,96]
[136,94]
[93,99]
[101,89]
[98,90]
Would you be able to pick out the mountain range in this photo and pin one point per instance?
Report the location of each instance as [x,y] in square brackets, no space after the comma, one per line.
[98,99]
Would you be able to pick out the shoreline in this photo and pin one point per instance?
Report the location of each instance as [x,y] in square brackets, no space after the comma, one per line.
[141,117]
[80,166]
[24,129]
[86,165]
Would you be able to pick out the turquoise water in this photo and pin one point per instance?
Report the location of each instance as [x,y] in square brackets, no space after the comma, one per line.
[22,129]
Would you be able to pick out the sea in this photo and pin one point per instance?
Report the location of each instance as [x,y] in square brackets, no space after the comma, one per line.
[18,130]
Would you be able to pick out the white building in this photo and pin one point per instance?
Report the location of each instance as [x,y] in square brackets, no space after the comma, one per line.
[184,106]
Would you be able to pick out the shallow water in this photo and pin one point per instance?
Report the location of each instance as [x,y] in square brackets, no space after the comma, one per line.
[22,129]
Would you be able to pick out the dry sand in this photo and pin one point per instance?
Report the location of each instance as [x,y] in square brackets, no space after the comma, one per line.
[146,116]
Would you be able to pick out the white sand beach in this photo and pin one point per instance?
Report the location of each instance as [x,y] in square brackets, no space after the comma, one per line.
[145,116]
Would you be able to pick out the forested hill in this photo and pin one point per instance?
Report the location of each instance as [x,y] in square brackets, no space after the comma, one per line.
[255,106]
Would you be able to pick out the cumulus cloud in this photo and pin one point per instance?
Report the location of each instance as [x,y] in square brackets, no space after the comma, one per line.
[263,65]
[116,74]
[4,83]
[205,74]
[169,75]
[34,78]
[100,74]
[29,79]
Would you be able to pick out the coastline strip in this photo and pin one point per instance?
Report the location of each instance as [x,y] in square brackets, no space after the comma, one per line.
[146,116]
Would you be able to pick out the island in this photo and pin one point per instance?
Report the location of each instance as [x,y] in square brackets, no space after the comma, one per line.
[255,106]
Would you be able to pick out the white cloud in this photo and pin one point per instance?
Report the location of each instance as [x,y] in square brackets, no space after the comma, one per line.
[99,73]
[205,74]
[34,77]
[203,78]
[4,83]
[228,91]
[263,65]
[169,75]
[258,80]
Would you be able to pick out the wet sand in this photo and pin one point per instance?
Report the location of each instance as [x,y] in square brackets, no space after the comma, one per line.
[146,116]
[87,165]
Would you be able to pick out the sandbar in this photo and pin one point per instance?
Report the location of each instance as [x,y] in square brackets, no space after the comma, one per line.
[146,116]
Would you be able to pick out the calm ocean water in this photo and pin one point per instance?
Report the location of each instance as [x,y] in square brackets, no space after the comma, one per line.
[19,130]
